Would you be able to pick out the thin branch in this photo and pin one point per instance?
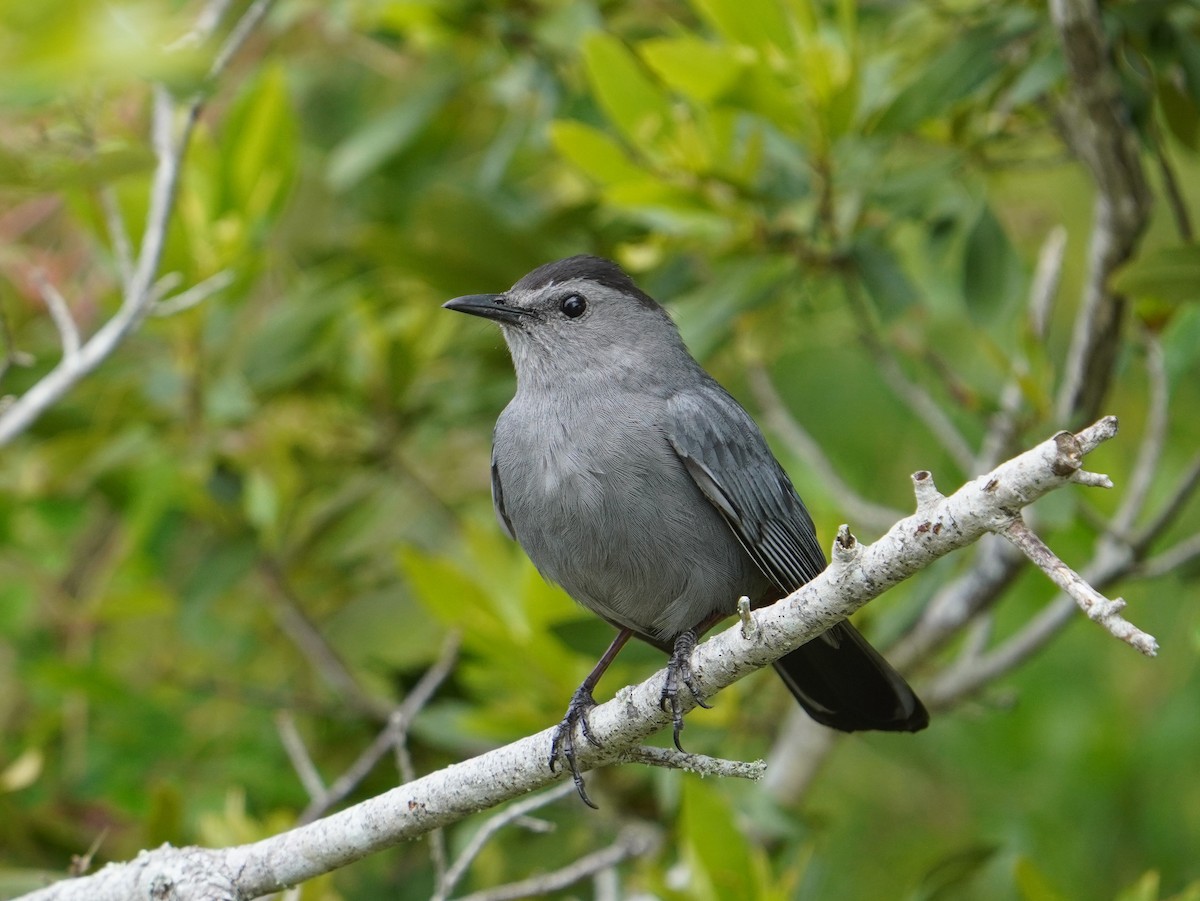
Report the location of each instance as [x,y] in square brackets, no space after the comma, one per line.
[170,140]
[914,395]
[860,510]
[1096,126]
[1165,517]
[1154,438]
[393,735]
[1099,609]
[701,764]
[1175,557]
[237,36]
[856,575]
[512,813]
[307,638]
[302,762]
[118,235]
[635,840]
[194,295]
[1043,291]
[1175,199]
[60,312]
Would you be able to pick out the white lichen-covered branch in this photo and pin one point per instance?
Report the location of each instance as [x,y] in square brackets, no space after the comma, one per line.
[857,574]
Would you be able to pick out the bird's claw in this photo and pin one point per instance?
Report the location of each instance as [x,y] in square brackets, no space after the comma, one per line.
[562,744]
[679,670]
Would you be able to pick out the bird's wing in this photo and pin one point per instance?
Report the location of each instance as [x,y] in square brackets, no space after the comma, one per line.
[498,499]
[728,459]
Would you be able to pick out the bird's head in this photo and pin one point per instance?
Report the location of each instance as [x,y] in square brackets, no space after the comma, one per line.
[578,316]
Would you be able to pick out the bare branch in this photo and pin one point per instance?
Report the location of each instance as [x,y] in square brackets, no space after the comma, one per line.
[307,638]
[393,735]
[169,139]
[1098,608]
[237,36]
[635,840]
[701,764]
[1161,521]
[302,762]
[194,295]
[855,575]
[491,826]
[1173,558]
[60,312]
[1095,124]
[1154,438]
[118,235]
[871,515]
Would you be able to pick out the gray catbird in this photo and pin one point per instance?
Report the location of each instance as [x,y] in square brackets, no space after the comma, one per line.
[638,484]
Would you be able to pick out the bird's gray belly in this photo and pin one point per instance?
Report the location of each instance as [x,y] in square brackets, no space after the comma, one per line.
[619,524]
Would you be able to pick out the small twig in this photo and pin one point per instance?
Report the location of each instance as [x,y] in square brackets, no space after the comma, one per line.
[490,827]
[1154,438]
[1043,289]
[1175,199]
[302,762]
[60,312]
[702,764]
[1165,517]
[1173,558]
[635,840]
[800,442]
[210,17]
[394,735]
[1098,608]
[307,638]
[237,36]
[194,295]
[914,395]
[118,235]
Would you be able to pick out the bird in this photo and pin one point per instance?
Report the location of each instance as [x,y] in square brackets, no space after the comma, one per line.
[636,482]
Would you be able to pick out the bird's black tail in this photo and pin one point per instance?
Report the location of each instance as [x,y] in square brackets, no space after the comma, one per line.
[844,683]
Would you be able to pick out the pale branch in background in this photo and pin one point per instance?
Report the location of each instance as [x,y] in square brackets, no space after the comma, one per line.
[856,575]
[1095,124]
[870,515]
[634,840]
[172,123]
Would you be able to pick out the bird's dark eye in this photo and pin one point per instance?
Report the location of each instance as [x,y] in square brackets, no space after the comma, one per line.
[573,306]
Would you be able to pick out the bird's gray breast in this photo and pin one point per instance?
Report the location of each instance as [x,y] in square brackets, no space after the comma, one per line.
[602,505]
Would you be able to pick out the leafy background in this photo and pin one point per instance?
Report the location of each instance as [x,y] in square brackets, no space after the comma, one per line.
[315,437]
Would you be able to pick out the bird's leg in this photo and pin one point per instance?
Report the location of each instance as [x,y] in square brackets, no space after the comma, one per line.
[680,670]
[562,744]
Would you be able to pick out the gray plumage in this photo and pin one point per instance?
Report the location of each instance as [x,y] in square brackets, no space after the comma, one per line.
[637,483]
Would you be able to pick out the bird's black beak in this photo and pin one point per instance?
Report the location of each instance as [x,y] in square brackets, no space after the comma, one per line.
[489,306]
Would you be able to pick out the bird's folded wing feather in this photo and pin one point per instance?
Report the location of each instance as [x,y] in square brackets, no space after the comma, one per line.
[729,460]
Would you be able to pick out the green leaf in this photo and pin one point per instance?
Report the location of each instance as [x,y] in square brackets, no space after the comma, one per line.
[694,67]
[757,23]
[991,268]
[946,78]
[630,99]
[1167,274]
[592,151]
[882,275]
[259,161]
[719,856]
[385,136]
[949,877]
[1033,884]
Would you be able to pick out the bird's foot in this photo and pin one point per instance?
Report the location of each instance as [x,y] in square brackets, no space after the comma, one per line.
[679,670]
[563,742]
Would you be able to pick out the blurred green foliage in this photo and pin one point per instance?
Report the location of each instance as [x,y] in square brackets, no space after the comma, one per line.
[786,174]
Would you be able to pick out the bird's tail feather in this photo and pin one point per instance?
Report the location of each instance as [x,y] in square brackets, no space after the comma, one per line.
[844,683]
